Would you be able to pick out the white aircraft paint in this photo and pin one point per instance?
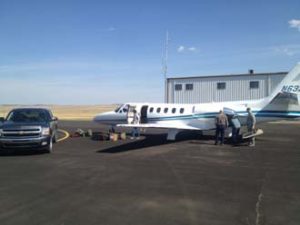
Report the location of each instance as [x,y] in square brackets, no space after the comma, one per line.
[282,103]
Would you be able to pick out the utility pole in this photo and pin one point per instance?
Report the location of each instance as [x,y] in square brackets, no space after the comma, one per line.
[165,56]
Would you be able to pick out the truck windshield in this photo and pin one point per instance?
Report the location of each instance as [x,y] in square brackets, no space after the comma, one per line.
[28,116]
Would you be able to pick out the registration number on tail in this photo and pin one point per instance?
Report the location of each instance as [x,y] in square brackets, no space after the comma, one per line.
[291,88]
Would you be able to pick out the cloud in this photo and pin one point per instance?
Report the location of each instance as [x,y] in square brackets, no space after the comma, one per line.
[182,49]
[294,24]
[49,65]
[289,50]
[111,29]
[192,49]
[107,29]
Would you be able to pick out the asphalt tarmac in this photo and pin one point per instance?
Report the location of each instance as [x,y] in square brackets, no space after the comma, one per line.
[152,181]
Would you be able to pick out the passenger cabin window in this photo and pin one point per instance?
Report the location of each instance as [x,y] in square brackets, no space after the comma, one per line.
[158,110]
[178,87]
[174,110]
[151,110]
[189,87]
[221,86]
[181,110]
[254,84]
[166,110]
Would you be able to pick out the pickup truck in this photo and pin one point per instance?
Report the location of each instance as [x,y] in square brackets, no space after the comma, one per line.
[28,128]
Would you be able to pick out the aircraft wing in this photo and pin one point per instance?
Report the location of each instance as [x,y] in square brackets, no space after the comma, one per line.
[159,126]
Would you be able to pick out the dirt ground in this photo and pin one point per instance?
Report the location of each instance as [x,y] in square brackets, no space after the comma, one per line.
[66,112]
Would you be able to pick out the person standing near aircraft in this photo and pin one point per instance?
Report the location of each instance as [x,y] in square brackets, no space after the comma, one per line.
[236,126]
[136,120]
[221,125]
[251,121]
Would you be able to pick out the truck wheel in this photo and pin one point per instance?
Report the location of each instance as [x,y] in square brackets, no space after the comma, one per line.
[49,147]
[54,139]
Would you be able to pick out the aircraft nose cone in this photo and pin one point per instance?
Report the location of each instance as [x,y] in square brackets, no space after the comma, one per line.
[102,117]
[98,118]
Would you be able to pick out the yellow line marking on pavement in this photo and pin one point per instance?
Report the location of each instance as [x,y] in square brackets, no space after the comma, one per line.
[67,135]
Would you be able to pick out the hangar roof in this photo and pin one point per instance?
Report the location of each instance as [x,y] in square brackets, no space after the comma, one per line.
[226,75]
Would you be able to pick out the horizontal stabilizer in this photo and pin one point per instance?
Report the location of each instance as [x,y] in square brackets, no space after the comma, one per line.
[285,98]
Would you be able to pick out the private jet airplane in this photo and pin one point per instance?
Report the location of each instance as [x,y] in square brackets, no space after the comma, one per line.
[282,103]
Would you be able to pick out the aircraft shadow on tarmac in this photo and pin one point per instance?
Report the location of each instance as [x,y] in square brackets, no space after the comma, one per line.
[151,140]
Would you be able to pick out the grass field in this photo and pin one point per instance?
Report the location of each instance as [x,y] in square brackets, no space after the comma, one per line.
[66,112]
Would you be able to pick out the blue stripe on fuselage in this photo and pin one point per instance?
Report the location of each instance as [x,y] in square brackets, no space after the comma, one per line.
[279,114]
[265,113]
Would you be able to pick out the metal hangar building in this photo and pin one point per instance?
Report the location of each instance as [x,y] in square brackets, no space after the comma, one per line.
[221,88]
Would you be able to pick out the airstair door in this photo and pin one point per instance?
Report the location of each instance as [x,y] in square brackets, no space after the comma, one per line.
[144,111]
[130,114]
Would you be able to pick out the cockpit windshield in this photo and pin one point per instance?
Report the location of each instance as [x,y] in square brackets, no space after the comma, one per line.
[118,108]
[122,109]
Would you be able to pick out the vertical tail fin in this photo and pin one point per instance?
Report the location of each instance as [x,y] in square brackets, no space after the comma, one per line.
[285,97]
[290,84]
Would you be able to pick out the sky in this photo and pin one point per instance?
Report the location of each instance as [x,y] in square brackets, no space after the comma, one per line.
[102,52]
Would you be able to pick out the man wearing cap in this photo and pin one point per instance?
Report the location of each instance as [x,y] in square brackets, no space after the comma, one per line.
[251,121]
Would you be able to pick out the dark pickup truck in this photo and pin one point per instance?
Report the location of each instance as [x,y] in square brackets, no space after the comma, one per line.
[28,128]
